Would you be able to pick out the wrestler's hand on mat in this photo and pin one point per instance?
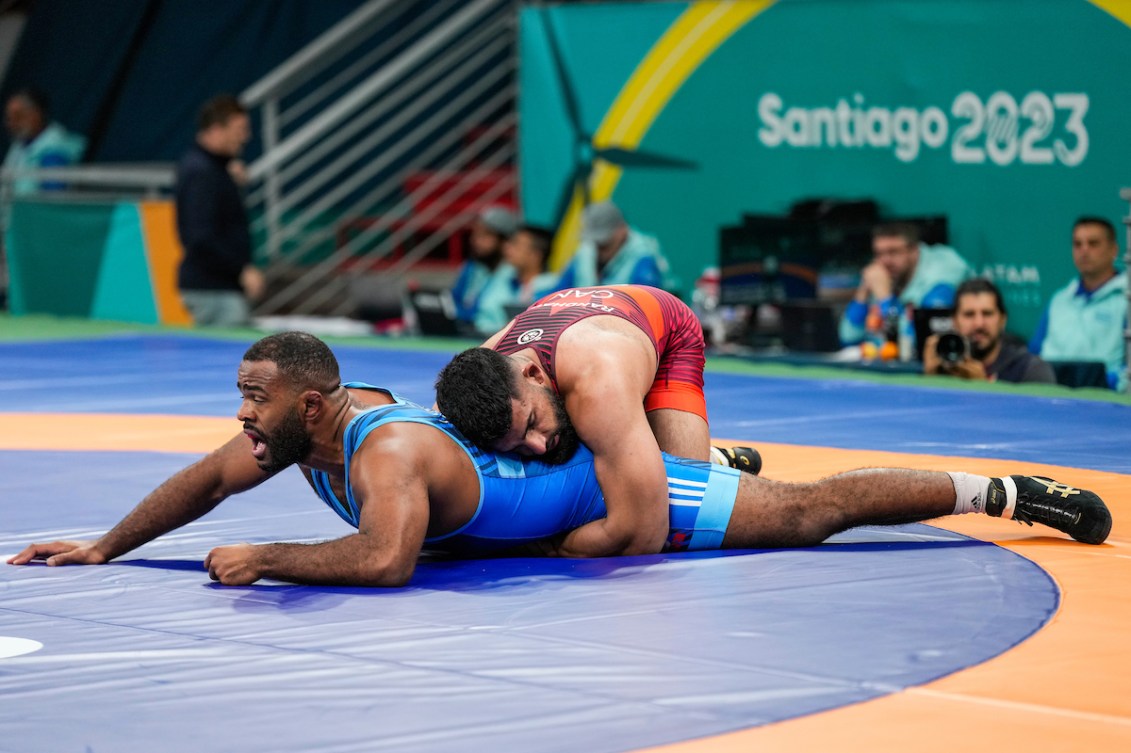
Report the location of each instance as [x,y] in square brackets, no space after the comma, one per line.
[61,553]
[233,565]
[550,547]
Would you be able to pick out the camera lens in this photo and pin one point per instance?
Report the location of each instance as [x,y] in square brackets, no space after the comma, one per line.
[951,348]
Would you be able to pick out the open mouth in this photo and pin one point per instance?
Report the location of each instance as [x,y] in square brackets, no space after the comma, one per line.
[258,445]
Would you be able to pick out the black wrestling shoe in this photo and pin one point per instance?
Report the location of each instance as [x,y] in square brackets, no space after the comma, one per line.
[745,459]
[1078,512]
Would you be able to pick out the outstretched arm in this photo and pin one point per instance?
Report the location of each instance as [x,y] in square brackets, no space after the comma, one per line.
[184,497]
[608,413]
[390,482]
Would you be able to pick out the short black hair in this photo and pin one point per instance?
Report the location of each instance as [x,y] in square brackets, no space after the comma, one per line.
[977,285]
[303,360]
[218,111]
[475,391]
[1109,229]
[908,231]
[541,239]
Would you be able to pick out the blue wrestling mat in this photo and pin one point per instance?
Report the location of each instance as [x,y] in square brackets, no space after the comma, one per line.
[610,655]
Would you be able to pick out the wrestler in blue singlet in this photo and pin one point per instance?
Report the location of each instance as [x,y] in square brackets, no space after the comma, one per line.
[525,500]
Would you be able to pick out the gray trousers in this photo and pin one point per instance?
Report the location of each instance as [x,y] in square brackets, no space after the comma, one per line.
[217,308]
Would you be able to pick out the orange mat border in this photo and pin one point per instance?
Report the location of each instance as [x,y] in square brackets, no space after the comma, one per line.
[1068,687]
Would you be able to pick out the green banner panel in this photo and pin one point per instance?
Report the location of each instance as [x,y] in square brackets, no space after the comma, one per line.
[54,254]
[124,291]
[1011,119]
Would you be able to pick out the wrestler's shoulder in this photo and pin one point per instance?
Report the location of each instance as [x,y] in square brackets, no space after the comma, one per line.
[601,331]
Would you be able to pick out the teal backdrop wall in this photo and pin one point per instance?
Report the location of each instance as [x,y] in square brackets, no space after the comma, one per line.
[114,260]
[1011,118]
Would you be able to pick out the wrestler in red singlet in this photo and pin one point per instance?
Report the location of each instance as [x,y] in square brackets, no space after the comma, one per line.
[672,327]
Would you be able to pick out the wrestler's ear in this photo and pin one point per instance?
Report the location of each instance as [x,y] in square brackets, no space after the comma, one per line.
[311,404]
[532,372]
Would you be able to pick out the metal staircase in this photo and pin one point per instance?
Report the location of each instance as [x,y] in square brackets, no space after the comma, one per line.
[430,97]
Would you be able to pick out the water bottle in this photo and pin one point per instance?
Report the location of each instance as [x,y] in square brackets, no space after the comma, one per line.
[907,335]
[705,304]
[874,336]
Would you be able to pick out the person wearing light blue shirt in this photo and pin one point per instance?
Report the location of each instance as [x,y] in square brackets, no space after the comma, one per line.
[37,142]
[1086,319]
[903,271]
[519,281]
[486,237]
[612,253]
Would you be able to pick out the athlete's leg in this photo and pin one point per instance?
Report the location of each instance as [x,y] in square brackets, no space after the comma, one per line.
[772,514]
[681,433]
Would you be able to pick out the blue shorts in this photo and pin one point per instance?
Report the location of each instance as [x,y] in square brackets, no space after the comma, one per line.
[701,499]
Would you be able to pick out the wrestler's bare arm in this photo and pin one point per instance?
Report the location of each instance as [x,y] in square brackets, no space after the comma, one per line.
[390,476]
[184,497]
[494,339]
[604,393]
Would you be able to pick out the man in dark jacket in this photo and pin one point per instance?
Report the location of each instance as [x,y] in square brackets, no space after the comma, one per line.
[217,278]
[981,352]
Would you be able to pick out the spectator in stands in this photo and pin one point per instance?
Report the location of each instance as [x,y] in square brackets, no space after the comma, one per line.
[1086,319]
[490,230]
[612,253]
[987,353]
[37,141]
[217,278]
[903,271]
[520,280]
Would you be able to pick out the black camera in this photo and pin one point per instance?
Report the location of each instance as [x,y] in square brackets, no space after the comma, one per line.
[952,348]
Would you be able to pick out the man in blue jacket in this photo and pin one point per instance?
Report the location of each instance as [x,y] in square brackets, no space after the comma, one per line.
[485,239]
[614,253]
[1085,320]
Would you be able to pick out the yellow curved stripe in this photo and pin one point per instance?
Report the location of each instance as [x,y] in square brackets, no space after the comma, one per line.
[690,40]
[1121,9]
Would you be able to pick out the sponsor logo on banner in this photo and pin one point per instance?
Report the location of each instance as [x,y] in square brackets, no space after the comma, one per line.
[1040,129]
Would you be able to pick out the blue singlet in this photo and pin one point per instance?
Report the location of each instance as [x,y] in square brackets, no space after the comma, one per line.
[525,500]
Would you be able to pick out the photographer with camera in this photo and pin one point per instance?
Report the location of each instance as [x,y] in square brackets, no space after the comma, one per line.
[976,348]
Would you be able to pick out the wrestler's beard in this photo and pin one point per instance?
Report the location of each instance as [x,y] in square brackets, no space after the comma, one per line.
[286,445]
[568,441]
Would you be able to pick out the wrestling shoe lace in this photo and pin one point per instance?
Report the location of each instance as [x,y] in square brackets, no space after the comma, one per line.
[1078,512]
[745,459]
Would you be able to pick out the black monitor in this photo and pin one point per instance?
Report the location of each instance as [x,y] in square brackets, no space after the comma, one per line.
[777,258]
[768,260]
[933,229]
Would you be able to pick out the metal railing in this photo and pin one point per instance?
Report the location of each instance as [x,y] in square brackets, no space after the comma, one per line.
[433,92]
[130,180]
[430,79]
[80,184]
